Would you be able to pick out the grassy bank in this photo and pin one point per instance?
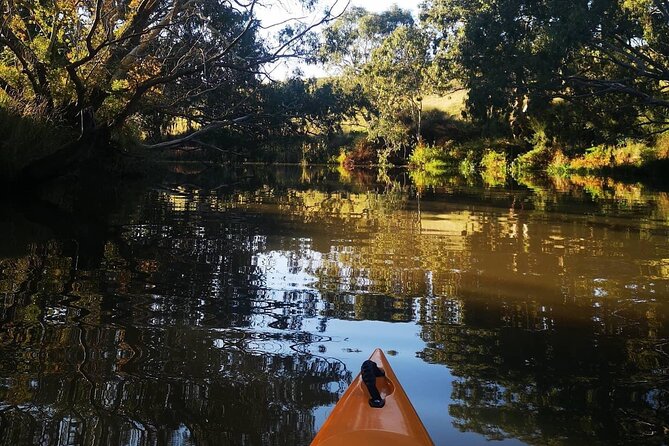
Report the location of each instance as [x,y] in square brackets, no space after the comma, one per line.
[495,158]
[450,139]
[25,138]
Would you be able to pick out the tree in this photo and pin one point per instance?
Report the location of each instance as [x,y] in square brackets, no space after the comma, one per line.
[387,57]
[396,77]
[349,42]
[102,63]
[311,106]
[518,57]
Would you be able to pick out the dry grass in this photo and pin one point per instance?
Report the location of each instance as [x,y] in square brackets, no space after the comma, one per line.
[453,103]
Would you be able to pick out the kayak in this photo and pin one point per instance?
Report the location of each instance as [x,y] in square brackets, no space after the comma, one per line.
[374,411]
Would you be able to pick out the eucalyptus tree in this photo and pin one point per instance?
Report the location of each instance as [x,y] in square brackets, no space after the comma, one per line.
[386,56]
[105,63]
[519,57]
[350,40]
[397,78]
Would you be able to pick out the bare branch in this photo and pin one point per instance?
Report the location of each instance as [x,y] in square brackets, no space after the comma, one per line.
[196,134]
[94,25]
[327,18]
[603,86]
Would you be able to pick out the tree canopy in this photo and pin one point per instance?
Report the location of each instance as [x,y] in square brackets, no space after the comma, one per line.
[608,59]
[595,72]
[197,59]
[385,55]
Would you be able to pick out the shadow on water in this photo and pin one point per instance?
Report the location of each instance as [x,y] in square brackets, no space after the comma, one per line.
[208,308]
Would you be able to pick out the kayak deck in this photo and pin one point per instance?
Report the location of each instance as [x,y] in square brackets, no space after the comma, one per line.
[354,422]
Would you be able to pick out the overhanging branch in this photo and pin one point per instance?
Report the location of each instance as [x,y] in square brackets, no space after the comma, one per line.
[198,133]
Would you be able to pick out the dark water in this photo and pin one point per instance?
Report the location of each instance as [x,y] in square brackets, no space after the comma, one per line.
[234,308]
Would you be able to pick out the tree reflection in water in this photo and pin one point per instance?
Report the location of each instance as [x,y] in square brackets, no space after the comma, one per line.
[170,341]
[199,314]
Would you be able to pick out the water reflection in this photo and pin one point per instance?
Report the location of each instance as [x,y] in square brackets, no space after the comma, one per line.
[233,310]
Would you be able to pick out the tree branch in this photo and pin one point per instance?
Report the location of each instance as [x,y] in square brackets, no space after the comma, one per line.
[28,61]
[196,134]
[604,86]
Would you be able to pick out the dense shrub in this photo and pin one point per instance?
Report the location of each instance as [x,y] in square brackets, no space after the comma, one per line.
[493,165]
[439,128]
[662,146]
[536,159]
[428,158]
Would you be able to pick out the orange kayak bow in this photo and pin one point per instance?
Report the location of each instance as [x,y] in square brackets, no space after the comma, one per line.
[374,411]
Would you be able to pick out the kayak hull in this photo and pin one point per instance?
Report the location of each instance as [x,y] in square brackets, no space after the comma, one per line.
[354,422]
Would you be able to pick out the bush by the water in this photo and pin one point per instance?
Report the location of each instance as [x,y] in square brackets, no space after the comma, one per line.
[363,153]
[627,154]
[428,158]
[493,168]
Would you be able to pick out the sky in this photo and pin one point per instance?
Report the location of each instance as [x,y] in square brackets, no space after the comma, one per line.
[278,11]
[381,5]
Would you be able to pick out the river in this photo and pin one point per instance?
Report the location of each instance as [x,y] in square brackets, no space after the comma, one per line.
[234,308]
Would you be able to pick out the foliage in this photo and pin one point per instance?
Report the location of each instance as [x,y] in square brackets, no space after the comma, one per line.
[306,107]
[428,158]
[536,159]
[363,153]
[341,158]
[593,72]
[387,57]
[429,166]
[350,40]
[438,127]
[396,78]
[662,146]
[424,179]
[628,154]
[467,166]
[71,56]
[148,64]
[559,165]
[493,165]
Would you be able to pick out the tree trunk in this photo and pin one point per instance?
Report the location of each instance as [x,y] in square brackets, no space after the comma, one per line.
[419,135]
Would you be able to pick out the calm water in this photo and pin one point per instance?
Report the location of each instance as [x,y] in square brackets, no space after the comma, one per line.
[234,308]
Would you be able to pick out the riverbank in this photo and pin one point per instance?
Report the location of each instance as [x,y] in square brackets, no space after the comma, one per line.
[450,144]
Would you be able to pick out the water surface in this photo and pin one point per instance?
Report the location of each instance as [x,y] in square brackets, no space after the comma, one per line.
[234,308]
